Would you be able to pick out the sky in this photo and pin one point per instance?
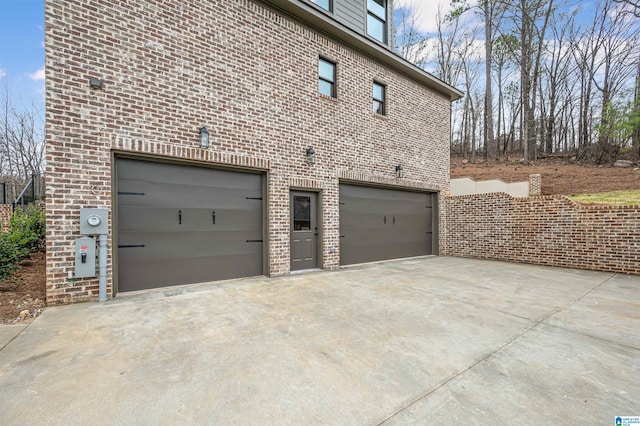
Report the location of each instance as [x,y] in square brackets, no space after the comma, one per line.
[426,10]
[22,52]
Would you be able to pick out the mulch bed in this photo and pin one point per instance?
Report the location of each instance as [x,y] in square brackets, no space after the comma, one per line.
[23,296]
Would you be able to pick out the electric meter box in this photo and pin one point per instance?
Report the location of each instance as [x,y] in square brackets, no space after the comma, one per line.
[94,221]
[85,257]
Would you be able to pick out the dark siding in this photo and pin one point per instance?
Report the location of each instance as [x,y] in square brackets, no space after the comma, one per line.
[351,13]
[390,23]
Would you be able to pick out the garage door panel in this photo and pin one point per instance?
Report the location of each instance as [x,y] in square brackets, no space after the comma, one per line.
[151,219]
[365,234]
[364,220]
[411,207]
[411,248]
[366,252]
[184,224]
[176,174]
[164,246]
[407,235]
[369,206]
[141,193]
[414,222]
[355,199]
[150,274]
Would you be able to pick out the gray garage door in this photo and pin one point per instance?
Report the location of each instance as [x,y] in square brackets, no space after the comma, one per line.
[379,224]
[181,225]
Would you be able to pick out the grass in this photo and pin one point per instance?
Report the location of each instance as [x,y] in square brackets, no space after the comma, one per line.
[616,198]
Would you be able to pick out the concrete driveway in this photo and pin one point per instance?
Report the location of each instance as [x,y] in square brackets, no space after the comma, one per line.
[429,341]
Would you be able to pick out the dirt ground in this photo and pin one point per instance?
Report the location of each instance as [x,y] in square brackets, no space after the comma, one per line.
[558,178]
[22,297]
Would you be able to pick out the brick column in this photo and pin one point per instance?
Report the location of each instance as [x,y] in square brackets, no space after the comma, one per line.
[535,185]
[6,211]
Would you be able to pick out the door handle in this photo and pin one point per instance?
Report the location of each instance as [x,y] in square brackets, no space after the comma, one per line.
[179,217]
[394,220]
[385,220]
[213,217]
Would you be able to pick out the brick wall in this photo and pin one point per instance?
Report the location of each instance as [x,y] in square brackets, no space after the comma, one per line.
[250,76]
[6,211]
[551,231]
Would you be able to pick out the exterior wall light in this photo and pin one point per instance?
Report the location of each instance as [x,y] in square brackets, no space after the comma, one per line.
[95,83]
[311,156]
[204,138]
[399,171]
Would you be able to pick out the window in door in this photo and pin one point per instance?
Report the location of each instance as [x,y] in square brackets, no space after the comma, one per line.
[301,213]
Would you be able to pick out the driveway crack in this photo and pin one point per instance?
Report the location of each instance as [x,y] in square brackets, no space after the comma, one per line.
[492,353]
[15,337]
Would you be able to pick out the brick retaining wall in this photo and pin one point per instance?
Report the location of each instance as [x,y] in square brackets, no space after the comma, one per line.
[550,230]
[6,211]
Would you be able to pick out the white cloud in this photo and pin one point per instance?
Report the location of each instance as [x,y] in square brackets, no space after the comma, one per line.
[3,73]
[38,75]
[426,11]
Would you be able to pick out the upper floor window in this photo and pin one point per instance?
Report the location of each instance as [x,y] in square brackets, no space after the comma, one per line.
[379,96]
[325,4]
[327,77]
[377,19]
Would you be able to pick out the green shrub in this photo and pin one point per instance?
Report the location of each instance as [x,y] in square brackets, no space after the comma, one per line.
[26,235]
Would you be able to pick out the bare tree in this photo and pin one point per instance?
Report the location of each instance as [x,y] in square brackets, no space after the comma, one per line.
[514,102]
[451,44]
[634,6]
[408,41]
[635,132]
[21,144]
[563,84]
[557,69]
[505,51]
[491,12]
[532,17]
[450,47]
[619,62]
[444,55]
[472,107]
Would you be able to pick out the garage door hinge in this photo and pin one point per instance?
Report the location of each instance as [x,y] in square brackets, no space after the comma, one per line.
[343,236]
[254,198]
[254,241]
[132,246]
